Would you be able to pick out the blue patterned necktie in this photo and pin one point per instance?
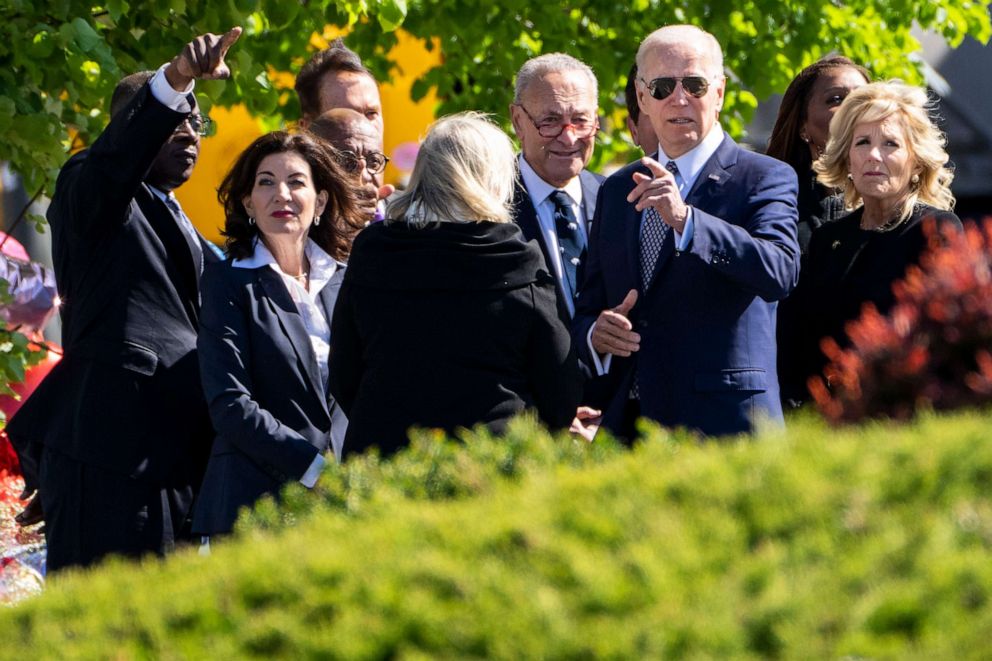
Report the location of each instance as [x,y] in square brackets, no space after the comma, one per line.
[571,243]
[654,233]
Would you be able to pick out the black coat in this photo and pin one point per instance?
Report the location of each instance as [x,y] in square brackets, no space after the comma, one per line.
[126,397]
[846,268]
[447,326]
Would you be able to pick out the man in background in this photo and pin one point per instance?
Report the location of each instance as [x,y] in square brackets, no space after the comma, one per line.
[358,149]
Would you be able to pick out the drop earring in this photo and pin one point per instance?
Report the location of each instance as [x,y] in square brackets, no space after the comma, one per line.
[251,220]
[316,220]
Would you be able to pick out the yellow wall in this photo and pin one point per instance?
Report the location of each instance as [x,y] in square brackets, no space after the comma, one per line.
[405,122]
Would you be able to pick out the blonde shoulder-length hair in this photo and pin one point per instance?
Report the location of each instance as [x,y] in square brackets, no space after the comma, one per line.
[465,172]
[925,142]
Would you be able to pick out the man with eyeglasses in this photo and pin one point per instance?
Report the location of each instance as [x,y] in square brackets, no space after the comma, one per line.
[554,114]
[358,149]
[119,429]
[690,250]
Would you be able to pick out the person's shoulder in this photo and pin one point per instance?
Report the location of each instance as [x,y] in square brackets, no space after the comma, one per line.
[941,216]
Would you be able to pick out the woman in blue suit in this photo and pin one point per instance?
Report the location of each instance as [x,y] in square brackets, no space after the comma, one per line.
[265,326]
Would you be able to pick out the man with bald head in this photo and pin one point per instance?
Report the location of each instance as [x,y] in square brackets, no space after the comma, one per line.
[690,251]
[554,114]
[358,148]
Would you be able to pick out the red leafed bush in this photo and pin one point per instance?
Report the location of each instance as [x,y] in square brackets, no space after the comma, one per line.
[934,349]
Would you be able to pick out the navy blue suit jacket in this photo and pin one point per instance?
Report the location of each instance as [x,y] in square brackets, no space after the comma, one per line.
[707,320]
[271,414]
[525,216]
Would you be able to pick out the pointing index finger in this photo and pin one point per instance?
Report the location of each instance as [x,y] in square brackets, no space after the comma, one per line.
[657,169]
[229,38]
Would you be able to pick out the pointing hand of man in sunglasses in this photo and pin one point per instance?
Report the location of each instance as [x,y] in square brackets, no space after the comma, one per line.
[659,190]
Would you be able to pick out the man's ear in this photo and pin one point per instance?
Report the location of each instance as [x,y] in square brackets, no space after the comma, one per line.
[515,119]
[632,129]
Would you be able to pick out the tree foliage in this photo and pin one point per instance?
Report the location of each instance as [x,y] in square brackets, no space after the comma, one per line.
[59,60]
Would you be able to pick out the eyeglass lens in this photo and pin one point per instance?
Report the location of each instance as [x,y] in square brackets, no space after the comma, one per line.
[662,88]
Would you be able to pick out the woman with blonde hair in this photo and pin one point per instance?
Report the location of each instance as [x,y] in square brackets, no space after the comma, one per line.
[446,317]
[888,157]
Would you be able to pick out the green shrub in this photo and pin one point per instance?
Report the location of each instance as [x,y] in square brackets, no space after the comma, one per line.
[869,542]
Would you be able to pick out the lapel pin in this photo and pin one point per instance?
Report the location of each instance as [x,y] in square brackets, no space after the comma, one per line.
[715,177]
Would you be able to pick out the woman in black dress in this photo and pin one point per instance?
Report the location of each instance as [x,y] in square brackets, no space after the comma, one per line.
[889,158]
[446,317]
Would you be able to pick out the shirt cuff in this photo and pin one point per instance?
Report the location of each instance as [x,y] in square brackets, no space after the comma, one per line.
[601,363]
[310,477]
[168,97]
[684,238]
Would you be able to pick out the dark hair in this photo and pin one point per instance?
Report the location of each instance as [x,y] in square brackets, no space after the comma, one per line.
[630,94]
[785,143]
[341,219]
[126,89]
[336,57]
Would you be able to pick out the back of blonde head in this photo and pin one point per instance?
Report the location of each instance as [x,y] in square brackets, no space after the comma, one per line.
[925,142]
[465,172]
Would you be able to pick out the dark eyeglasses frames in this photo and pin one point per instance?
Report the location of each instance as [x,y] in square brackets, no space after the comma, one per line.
[375,162]
[199,123]
[552,128]
[662,88]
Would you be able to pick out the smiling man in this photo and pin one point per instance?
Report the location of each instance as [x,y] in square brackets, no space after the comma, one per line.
[689,252]
[554,114]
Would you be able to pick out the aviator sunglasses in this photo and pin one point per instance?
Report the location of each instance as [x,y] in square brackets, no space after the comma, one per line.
[662,88]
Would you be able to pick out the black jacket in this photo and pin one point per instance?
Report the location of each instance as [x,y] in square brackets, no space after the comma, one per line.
[847,267]
[126,397]
[447,326]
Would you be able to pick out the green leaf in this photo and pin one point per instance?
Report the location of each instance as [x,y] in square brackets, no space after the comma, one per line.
[84,35]
[391,14]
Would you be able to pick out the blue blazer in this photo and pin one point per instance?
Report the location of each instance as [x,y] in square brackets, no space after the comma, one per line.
[263,389]
[525,216]
[707,320]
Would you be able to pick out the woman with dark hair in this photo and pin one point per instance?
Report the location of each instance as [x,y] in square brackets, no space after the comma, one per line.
[447,318]
[265,324]
[799,137]
[802,129]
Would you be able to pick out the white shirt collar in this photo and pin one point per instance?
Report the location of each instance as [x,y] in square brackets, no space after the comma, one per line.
[539,189]
[322,266]
[691,163]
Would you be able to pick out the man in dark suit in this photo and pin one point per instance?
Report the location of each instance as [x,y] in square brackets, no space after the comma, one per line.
[119,428]
[690,250]
[555,116]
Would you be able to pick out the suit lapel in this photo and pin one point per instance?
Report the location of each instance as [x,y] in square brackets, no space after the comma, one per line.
[714,173]
[590,193]
[279,300]
[178,255]
[328,297]
[530,227]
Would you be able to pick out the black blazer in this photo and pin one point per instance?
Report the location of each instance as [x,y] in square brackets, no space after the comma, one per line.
[262,384]
[847,267]
[127,395]
[525,215]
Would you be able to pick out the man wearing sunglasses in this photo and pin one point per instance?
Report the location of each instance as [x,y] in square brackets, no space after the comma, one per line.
[690,250]
[358,149]
[118,431]
[555,116]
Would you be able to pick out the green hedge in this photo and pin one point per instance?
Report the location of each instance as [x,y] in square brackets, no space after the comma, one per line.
[868,542]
